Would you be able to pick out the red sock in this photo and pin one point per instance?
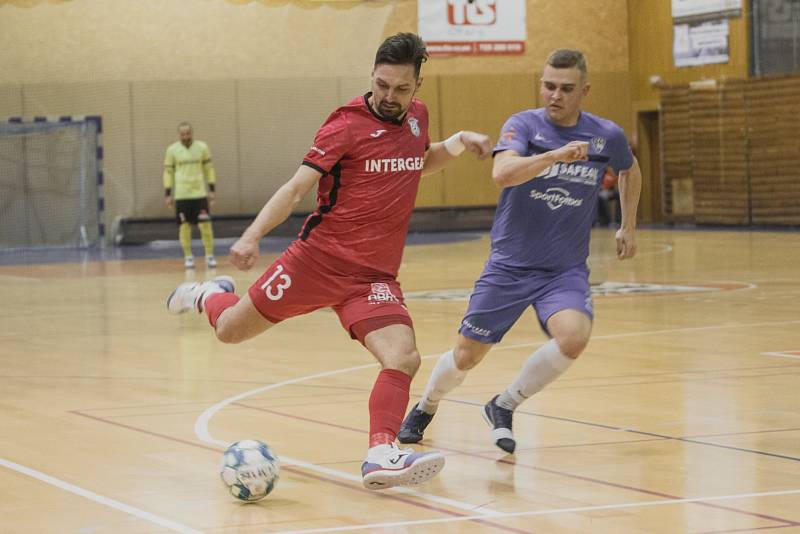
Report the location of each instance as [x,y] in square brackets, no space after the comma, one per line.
[387,406]
[216,304]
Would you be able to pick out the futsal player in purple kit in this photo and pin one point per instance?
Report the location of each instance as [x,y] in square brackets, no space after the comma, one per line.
[550,164]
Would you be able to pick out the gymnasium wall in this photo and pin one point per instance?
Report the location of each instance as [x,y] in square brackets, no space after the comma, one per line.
[731,153]
[650,32]
[256,78]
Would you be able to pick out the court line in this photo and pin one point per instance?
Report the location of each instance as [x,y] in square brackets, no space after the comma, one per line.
[299,471]
[782,355]
[656,332]
[202,432]
[92,496]
[556,511]
[752,529]
[482,455]
[636,432]
[202,422]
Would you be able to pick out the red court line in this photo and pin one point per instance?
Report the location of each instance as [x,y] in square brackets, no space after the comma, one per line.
[786,522]
[302,472]
[743,529]
[743,433]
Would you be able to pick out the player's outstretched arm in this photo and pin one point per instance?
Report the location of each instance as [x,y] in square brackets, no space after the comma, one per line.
[244,252]
[439,154]
[511,169]
[630,187]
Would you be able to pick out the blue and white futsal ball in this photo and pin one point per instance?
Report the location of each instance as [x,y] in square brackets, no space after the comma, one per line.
[250,470]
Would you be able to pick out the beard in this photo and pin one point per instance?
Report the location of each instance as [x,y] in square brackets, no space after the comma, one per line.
[389,111]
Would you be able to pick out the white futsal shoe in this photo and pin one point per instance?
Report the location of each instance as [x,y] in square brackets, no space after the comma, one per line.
[400,467]
[192,295]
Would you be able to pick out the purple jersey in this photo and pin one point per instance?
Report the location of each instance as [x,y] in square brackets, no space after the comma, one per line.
[545,222]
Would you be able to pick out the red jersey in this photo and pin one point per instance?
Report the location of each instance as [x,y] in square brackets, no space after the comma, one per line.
[371,169]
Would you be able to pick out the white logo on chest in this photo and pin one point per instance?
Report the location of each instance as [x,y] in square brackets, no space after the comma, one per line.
[393,164]
[414,125]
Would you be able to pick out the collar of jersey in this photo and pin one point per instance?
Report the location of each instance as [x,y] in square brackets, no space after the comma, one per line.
[392,121]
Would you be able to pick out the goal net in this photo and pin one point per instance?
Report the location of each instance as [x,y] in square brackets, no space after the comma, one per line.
[51,183]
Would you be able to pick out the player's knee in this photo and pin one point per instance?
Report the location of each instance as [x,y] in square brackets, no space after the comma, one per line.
[226,334]
[466,359]
[407,362]
[572,344]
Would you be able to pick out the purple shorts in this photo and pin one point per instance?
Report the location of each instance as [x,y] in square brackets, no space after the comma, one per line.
[501,295]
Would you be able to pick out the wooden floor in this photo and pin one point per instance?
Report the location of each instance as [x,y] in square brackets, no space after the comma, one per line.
[683,415]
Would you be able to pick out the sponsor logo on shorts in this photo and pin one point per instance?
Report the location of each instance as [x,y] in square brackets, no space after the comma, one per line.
[478,331]
[318,150]
[382,294]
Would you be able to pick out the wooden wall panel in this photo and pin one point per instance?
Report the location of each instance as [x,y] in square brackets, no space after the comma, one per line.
[773,109]
[610,98]
[598,27]
[431,189]
[483,104]
[719,154]
[650,35]
[742,152]
[277,121]
[676,147]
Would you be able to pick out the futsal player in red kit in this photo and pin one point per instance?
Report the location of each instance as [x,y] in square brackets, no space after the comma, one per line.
[367,160]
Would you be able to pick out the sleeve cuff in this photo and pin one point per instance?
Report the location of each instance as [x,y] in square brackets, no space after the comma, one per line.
[315,167]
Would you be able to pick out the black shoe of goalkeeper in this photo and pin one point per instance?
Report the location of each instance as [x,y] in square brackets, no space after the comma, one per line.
[414,425]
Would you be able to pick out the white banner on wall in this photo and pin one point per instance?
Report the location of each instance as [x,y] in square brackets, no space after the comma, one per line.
[685,10]
[472,27]
[700,43]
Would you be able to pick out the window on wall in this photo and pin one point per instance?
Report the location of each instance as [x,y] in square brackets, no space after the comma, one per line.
[776,37]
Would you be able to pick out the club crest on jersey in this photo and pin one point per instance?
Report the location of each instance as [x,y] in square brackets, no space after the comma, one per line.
[414,125]
[598,143]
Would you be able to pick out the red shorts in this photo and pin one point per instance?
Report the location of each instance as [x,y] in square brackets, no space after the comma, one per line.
[302,280]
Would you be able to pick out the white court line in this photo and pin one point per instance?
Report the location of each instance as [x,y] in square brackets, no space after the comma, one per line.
[202,432]
[106,501]
[782,354]
[552,511]
[656,332]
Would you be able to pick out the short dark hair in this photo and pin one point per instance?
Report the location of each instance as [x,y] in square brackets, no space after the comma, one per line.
[402,49]
[564,58]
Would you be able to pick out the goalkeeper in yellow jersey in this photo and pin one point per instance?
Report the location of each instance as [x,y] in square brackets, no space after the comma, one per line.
[187,168]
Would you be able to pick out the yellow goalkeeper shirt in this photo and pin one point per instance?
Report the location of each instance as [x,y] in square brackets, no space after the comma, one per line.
[186,168]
